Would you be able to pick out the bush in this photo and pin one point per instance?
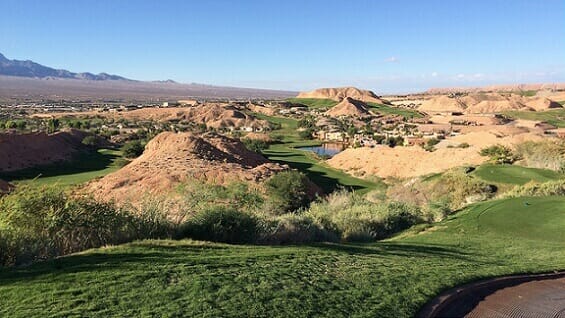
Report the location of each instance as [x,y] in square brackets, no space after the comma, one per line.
[41,223]
[255,145]
[133,149]
[222,225]
[547,154]
[287,191]
[534,189]
[355,219]
[306,134]
[293,229]
[90,141]
[499,154]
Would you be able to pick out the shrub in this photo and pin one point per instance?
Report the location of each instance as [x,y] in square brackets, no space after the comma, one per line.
[292,229]
[41,223]
[222,224]
[90,141]
[499,154]
[534,189]
[287,191]
[133,149]
[306,134]
[547,154]
[255,145]
[355,219]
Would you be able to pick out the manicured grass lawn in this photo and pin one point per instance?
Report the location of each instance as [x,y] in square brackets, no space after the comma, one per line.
[82,169]
[320,173]
[512,174]
[555,117]
[389,110]
[393,278]
[314,102]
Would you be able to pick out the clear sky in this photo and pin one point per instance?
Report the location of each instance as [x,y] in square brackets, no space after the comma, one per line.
[386,46]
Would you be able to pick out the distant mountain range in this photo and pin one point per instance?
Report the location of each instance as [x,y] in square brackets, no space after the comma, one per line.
[25,79]
[31,69]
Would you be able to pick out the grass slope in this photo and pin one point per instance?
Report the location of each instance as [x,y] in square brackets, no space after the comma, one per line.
[393,278]
[389,110]
[555,117]
[511,174]
[82,169]
[320,173]
[314,103]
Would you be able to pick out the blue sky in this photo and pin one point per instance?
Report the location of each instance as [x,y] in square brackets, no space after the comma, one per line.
[386,46]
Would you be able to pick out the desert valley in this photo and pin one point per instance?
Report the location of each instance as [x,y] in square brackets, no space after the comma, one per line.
[435,188]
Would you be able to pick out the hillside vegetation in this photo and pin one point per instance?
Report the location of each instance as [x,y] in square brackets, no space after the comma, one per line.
[392,278]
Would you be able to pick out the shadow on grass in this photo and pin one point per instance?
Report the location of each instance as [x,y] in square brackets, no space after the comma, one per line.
[83,162]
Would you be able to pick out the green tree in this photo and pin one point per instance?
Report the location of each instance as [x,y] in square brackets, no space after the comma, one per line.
[53,125]
[90,141]
[133,149]
[287,191]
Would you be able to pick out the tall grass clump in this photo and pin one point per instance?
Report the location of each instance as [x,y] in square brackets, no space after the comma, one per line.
[41,223]
[353,218]
[533,189]
[546,154]
[222,224]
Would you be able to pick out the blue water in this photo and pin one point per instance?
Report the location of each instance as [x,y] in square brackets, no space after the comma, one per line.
[327,149]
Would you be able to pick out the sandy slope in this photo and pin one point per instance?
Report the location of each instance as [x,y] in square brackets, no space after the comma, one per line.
[349,107]
[172,158]
[340,93]
[19,151]
[405,162]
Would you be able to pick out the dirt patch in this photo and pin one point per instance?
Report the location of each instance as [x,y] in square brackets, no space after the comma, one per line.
[341,93]
[171,158]
[20,151]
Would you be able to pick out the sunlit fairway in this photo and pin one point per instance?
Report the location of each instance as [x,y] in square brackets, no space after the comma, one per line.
[392,278]
[83,168]
[314,103]
[513,174]
[320,173]
[555,116]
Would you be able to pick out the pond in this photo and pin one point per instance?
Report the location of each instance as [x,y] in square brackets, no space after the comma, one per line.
[326,149]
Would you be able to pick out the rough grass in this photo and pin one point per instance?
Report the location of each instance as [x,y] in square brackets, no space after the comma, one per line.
[555,117]
[84,168]
[314,103]
[320,173]
[392,278]
[512,174]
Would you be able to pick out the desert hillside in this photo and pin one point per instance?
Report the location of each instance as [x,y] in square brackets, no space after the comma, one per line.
[486,103]
[349,107]
[341,93]
[407,162]
[171,158]
[21,151]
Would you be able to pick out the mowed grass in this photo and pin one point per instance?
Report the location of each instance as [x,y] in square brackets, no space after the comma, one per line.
[555,117]
[393,278]
[83,168]
[513,174]
[328,178]
[314,103]
[391,110]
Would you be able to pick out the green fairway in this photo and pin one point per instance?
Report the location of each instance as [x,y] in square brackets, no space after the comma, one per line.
[393,278]
[320,173]
[511,174]
[390,110]
[555,117]
[81,169]
[314,102]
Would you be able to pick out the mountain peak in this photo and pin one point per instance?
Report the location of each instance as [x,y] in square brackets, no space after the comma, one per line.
[29,68]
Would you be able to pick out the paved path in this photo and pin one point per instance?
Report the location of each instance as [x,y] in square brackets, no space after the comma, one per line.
[505,297]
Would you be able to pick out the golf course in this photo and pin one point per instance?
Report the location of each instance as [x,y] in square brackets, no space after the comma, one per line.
[391,278]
